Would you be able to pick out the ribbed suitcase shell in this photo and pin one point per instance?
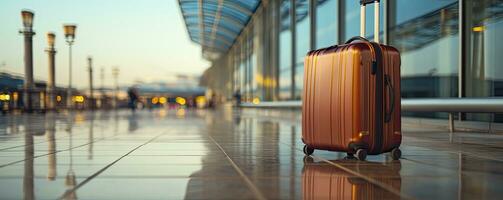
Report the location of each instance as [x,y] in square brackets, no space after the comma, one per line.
[339,106]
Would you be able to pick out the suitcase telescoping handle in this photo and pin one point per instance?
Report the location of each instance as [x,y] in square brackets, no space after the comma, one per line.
[363,4]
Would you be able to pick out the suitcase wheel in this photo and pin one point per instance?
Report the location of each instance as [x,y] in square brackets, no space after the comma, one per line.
[361,154]
[308,150]
[308,159]
[350,156]
[396,153]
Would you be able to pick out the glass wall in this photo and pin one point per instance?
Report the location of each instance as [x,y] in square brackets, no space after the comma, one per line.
[237,70]
[257,56]
[285,51]
[252,67]
[426,33]
[302,43]
[426,29]
[484,44]
[326,23]
[245,70]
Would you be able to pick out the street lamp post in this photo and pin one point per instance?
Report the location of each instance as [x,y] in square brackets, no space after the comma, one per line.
[91,89]
[115,73]
[102,90]
[28,33]
[70,37]
[51,83]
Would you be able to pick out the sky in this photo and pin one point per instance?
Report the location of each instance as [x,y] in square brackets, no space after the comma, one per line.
[147,40]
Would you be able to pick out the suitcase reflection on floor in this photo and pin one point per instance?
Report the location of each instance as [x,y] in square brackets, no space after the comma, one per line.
[321,180]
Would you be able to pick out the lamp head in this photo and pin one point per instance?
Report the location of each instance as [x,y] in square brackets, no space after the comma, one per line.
[69,30]
[27,17]
[51,38]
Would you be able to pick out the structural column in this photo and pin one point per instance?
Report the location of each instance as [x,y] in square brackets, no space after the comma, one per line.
[28,70]
[69,30]
[51,83]
[28,33]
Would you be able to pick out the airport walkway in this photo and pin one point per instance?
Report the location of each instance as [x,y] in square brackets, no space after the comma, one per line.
[226,154]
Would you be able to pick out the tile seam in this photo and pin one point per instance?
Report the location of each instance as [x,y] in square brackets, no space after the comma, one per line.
[69,192]
[58,151]
[250,184]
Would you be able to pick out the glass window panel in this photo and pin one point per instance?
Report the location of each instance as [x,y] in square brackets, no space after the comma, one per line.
[252,68]
[237,72]
[285,51]
[326,23]
[242,67]
[426,29]
[351,18]
[302,36]
[257,56]
[484,73]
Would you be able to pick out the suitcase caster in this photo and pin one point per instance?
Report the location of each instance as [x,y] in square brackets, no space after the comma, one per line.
[308,159]
[361,154]
[308,150]
[350,156]
[396,153]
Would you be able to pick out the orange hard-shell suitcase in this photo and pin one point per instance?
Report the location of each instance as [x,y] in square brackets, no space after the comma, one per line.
[351,99]
[322,181]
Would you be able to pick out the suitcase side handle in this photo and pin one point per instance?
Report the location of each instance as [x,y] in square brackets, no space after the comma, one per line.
[391,93]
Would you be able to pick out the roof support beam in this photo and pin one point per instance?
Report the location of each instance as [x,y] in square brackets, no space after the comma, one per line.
[221,28]
[217,20]
[233,21]
[235,6]
[215,24]
[201,21]
[232,4]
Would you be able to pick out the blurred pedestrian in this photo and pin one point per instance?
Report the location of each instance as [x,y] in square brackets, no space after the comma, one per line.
[237,96]
[212,102]
[133,97]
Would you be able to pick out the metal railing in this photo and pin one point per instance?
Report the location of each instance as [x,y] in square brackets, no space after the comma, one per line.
[273,104]
[448,105]
[453,105]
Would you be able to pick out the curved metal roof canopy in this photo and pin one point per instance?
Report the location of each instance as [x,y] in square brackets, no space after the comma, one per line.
[215,24]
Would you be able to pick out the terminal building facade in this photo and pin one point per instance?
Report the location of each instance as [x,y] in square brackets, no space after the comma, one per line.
[449,48]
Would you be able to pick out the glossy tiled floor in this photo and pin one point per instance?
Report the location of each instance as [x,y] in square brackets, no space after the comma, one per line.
[225,154]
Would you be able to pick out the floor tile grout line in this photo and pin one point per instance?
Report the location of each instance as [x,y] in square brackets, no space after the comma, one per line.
[24,132]
[366,178]
[55,152]
[45,141]
[250,184]
[431,164]
[68,192]
[461,151]
[233,178]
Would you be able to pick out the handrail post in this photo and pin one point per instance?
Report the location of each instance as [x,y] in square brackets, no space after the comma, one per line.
[491,123]
[451,123]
